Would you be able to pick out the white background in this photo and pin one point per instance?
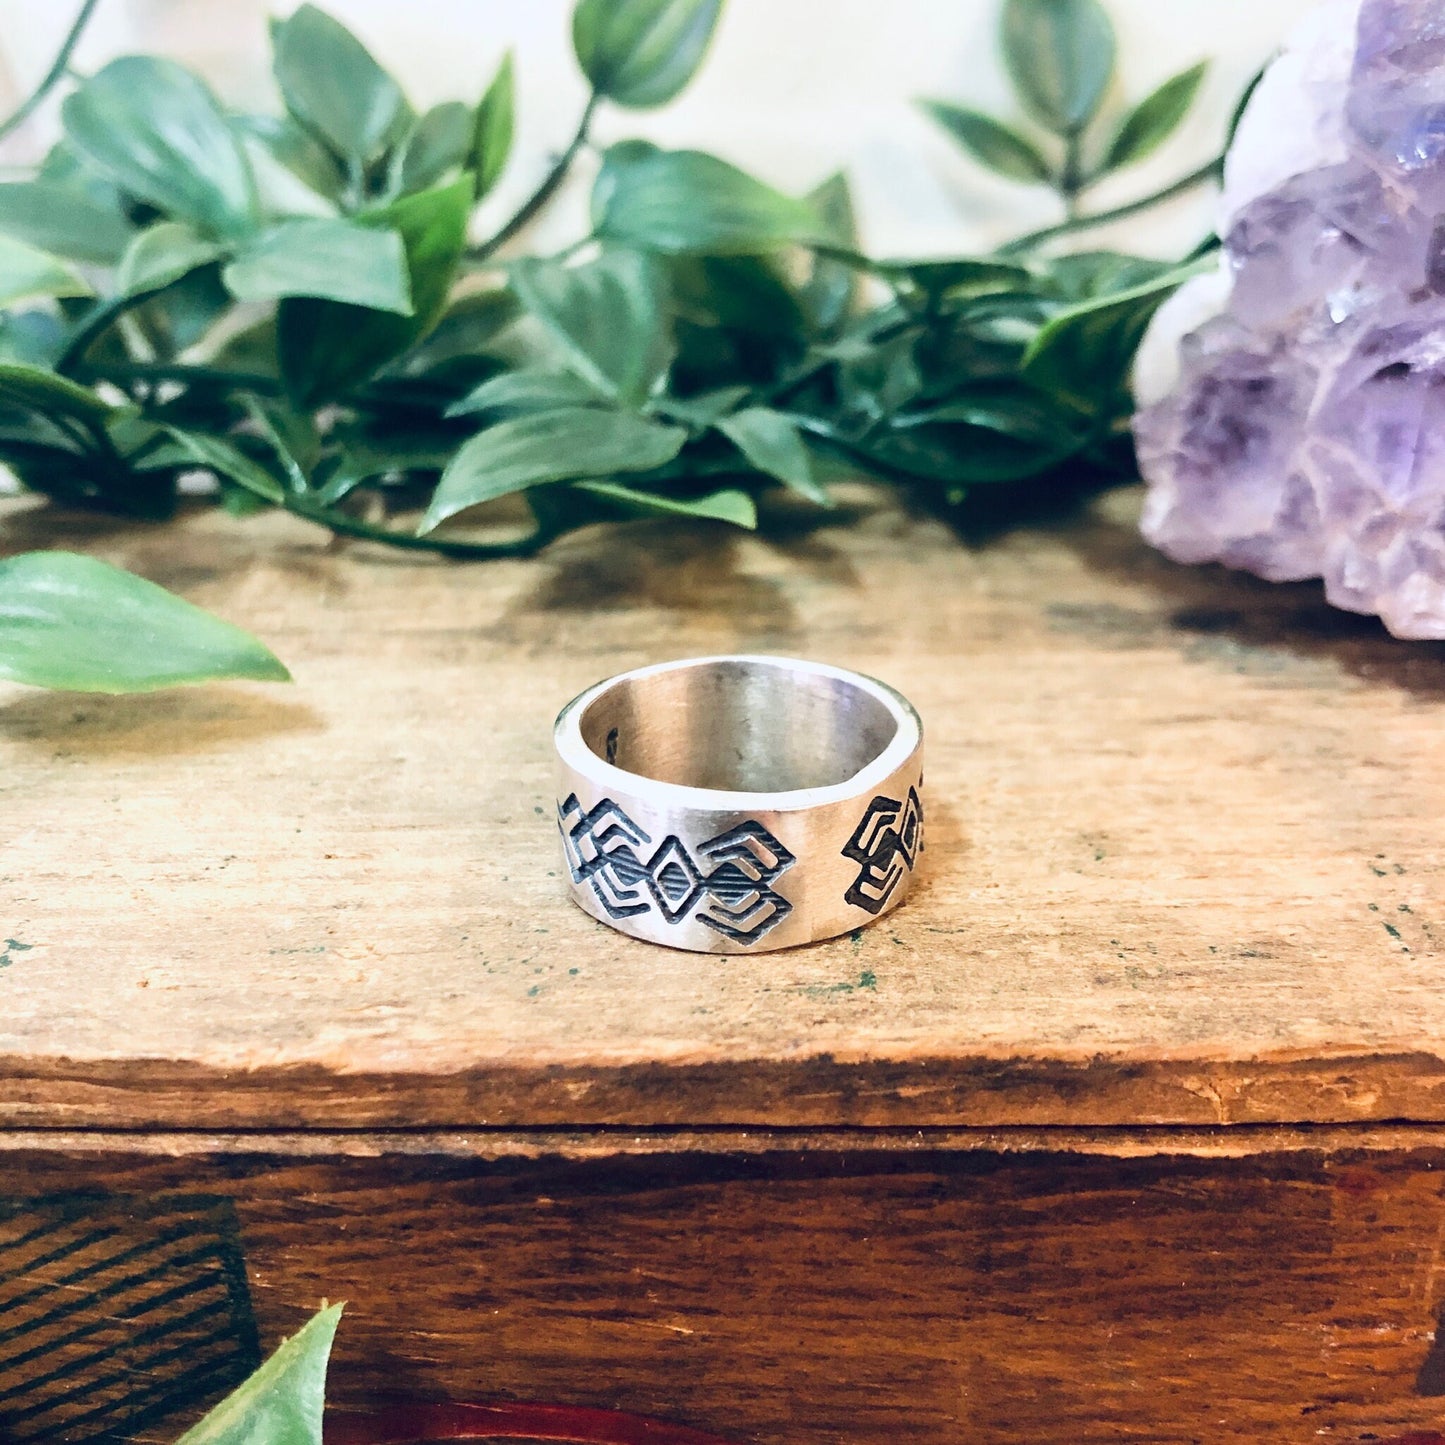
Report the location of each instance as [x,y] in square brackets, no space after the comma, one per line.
[792,90]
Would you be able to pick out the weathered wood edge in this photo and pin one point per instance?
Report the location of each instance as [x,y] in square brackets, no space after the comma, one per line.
[1232,1142]
[818,1093]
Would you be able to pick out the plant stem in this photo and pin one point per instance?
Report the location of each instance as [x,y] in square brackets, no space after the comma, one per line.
[347,526]
[100,320]
[53,76]
[1209,172]
[1071,180]
[529,209]
[187,375]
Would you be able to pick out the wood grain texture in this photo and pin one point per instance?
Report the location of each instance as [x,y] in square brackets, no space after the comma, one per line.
[1185,862]
[855,1298]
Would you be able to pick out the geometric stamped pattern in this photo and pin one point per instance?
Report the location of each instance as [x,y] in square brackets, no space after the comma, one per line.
[885,845]
[118,1312]
[727,886]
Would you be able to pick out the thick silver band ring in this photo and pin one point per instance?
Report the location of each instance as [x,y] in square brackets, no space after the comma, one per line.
[739,804]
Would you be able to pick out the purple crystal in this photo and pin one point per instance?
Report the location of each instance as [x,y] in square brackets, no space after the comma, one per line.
[1305,434]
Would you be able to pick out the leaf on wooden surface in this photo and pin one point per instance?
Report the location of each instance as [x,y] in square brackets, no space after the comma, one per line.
[73,622]
[281,1404]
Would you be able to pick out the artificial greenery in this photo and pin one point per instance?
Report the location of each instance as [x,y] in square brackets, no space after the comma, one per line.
[295,303]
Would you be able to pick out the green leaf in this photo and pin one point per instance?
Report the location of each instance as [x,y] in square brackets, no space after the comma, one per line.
[492,132]
[156,130]
[300,153]
[185,311]
[326,347]
[956,277]
[33,338]
[687,202]
[728,505]
[228,461]
[552,446]
[469,325]
[333,259]
[615,160]
[610,316]
[1060,57]
[1154,119]
[1015,412]
[641,53]
[64,220]
[991,142]
[161,255]
[1085,275]
[331,84]
[292,436]
[363,457]
[1083,355]
[281,1403]
[279,190]
[736,320]
[1006,437]
[439,142]
[529,389]
[32,388]
[773,444]
[26,272]
[73,622]
[829,293]
[702,409]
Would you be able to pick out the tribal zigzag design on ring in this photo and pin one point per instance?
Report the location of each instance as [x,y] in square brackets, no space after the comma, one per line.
[885,844]
[605,849]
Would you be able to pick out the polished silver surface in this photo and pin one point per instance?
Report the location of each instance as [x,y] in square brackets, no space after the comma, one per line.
[739,804]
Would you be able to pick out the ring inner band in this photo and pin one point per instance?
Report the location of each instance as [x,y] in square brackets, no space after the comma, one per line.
[740,725]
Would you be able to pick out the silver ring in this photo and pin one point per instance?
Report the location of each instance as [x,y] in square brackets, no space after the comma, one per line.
[739,804]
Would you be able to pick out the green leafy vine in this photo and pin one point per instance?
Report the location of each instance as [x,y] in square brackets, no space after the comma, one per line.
[293,303]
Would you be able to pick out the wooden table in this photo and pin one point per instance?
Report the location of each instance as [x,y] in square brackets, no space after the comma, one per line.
[1127,1126]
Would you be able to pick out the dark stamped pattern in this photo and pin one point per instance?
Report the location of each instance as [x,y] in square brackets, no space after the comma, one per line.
[885,845]
[730,890]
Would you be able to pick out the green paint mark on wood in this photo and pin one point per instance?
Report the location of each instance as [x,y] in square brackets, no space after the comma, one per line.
[13,945]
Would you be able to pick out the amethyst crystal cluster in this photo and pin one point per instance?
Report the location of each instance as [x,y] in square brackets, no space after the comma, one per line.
[1302,433]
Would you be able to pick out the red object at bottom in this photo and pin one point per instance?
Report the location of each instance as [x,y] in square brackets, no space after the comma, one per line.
[415,1424]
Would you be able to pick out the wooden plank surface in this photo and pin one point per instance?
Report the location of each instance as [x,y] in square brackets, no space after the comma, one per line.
[1184,862]
[804,1298]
